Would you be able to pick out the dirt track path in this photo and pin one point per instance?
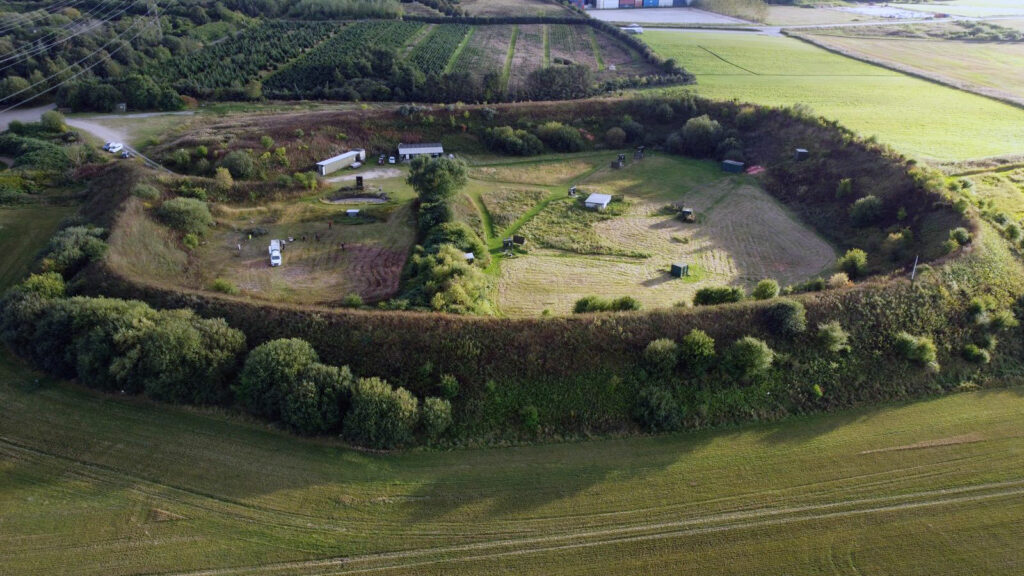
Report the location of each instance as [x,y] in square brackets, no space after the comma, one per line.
[95,126]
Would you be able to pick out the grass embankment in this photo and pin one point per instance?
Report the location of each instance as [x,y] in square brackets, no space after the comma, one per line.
[916,117]
[100,485]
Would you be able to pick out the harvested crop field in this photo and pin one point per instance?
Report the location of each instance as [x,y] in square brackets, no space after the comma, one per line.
[742,236]
[519,8]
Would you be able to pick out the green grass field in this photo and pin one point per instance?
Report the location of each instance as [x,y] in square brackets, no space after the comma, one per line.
[96,484]
[24,231]
[992,68]
[916,117]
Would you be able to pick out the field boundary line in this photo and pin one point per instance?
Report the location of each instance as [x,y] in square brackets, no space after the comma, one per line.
[709,51]
[657,531]
[415,40]
[458,50]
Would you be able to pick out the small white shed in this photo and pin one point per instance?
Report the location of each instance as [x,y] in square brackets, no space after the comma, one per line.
[352,212]
[597,201]
[409,151]
[340,161]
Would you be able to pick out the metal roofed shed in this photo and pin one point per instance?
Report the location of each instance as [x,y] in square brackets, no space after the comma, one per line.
[732,166]
[801,154]
[597,201]
[409,151]
[352,212]
[340,161]
[469,257]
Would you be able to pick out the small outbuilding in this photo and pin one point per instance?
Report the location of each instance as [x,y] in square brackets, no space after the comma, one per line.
[801,154]
[679,270]
[597,201]
[340,161]
[410,151]
[732,166]
[469,257]
[352,212]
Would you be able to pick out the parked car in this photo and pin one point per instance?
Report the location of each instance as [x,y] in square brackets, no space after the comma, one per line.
[380,159]
[391,159]
[115,147]
[126,154]
[106,147]
[355,165]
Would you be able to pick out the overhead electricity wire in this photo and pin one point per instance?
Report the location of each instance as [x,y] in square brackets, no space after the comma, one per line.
[72,77]
[38,49]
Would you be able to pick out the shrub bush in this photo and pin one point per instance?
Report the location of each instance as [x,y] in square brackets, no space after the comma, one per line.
[697,350]
[657,410]
[854,263]
[749,357]
[717,295]
[1002,320]
[766,290]
[448,386]
[839,280]
[615,137]
[786,318]
[530,418]
[661,356]
[973,353]
[700,137]
[73,247]
[436,417]
[380,417]
[269,371]
[832,337]
[598,304]
[46,285]
[917,349]
[240,164]
[187,215]
[145,192]
[866,211]
[315,402]
[560,138]
[960,235]
[224,286]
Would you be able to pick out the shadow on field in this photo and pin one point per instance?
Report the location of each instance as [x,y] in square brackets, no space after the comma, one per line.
[550,481]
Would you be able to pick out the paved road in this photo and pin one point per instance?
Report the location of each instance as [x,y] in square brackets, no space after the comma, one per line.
[23,115]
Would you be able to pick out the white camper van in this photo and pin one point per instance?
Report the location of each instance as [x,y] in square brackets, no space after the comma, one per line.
[275,252]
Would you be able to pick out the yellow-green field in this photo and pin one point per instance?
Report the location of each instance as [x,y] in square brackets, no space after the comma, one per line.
[102,485]
[914,116]
[990,68]
[742,235]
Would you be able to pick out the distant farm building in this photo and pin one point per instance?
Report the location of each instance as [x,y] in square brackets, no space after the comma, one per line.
[340,161]
[597,201]
[614,4]
[410,151]
[732,166]
[801,154]
[679,270]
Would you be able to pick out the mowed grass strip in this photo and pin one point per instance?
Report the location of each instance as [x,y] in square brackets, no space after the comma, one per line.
[97,484]
[916,117]
[24,232]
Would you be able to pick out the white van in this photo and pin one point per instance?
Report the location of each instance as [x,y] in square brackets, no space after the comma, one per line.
[275,253]
[115,147]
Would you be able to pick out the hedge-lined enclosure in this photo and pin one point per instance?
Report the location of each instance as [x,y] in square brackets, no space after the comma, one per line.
[881,339]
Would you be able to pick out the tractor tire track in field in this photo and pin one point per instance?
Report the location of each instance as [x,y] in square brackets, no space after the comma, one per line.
[743,520]
[747,70]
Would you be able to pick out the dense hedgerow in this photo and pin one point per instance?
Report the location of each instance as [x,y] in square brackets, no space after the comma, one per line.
[717,295]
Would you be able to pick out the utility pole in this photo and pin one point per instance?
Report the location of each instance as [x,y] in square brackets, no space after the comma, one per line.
[913,273]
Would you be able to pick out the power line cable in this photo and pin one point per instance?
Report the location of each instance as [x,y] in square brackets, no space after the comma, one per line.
[89,67]
[38,48]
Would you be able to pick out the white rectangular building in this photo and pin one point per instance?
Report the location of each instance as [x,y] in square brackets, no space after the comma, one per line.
[410,151]
[340,161]
[597,201]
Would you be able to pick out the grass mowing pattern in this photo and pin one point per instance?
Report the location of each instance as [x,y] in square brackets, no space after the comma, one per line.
[435,51]
[547,45]
[132,487]
[915,116]
[458,51]
[507,70]
[596,49]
